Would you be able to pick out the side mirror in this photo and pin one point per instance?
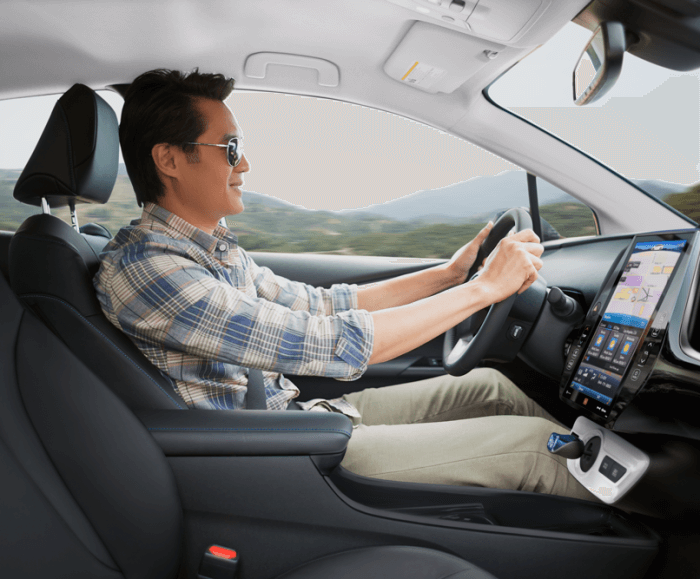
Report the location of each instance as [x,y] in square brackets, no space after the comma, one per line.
[600,64]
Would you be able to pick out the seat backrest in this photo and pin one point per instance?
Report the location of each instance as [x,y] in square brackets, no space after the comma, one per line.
[85,492]
[51,270]
[51,265]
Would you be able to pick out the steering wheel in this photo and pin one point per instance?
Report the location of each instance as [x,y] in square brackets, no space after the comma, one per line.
[469,341]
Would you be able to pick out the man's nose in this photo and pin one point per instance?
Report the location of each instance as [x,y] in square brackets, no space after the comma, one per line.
[244,165]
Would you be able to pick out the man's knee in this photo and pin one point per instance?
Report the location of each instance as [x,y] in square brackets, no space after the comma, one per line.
[487,384]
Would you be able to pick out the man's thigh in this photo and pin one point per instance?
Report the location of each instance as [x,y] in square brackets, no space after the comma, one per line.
[481,392]
[507,452]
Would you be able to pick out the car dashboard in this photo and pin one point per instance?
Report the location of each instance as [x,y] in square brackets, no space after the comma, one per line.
[638,327]
[632,373]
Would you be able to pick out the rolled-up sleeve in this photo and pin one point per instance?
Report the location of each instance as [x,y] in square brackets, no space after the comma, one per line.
[173,301]
[297,295]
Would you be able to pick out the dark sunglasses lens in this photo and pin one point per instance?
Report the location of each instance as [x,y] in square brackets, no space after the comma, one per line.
[234,154]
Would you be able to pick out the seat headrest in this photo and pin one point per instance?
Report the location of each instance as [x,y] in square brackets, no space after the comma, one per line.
[77,156]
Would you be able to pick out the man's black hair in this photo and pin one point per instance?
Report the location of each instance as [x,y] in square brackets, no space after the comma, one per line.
[160,107]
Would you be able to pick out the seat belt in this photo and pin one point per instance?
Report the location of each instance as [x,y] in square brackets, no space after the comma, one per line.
[255,398]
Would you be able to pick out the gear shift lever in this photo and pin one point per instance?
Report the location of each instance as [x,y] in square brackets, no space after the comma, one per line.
[566,445]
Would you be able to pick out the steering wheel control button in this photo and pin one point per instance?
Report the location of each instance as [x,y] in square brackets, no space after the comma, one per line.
[611,469]
[218,563]
[516,331]
[590,453]
[566,445]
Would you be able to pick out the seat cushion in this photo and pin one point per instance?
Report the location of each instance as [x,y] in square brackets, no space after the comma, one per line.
[391,562]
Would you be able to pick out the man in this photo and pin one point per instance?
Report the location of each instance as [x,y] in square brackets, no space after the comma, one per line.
[204,313]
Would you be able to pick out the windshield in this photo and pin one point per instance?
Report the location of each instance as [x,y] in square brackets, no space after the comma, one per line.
[646,128]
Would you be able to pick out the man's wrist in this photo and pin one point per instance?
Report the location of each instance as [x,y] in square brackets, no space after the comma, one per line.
[450,276]
[481,294]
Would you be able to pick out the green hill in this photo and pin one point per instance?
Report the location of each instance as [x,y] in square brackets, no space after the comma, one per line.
[688,202]
[267,225]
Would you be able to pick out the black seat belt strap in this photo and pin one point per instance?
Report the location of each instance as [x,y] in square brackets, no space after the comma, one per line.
[255,398]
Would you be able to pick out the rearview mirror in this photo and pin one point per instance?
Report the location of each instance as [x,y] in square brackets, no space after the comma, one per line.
[600,64]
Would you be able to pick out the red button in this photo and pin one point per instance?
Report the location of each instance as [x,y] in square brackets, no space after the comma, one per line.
[222,552]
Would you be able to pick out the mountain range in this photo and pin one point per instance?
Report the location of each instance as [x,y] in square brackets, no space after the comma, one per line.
[479,198]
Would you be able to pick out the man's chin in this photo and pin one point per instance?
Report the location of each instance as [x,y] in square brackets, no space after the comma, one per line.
[236,207]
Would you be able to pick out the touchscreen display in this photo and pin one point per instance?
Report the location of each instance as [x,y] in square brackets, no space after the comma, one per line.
[634,300]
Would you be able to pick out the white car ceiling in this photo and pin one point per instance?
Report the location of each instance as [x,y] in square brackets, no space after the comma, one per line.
[47,46]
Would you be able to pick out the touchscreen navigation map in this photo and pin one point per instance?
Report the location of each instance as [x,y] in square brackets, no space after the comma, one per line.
[634,300]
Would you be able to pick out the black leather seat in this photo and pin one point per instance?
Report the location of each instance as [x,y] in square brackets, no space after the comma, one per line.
[86,493]
[51,265]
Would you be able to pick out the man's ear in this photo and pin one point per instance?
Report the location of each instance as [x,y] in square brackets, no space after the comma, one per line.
[165,160]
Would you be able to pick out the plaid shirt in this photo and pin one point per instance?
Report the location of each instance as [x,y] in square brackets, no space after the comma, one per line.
[203,311]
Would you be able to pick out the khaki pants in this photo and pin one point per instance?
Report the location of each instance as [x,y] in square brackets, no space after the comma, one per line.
[476,430]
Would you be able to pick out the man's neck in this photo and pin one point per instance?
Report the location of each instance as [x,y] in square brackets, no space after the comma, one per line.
[208,225]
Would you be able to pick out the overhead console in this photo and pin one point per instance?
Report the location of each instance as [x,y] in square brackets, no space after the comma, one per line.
[623,332]
[498,20]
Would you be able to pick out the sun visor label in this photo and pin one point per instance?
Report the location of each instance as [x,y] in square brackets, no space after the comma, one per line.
[423,75]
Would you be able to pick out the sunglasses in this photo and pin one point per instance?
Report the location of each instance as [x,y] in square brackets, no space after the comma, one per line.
[234,152]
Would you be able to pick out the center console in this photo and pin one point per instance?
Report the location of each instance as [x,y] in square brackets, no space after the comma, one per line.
[622,357]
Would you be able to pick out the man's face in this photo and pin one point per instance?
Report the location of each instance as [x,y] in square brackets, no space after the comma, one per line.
[211,188]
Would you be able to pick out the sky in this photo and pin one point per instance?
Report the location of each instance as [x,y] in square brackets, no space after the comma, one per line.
[322,154]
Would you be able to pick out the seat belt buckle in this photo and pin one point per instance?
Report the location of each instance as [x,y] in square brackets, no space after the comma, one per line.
[218,563]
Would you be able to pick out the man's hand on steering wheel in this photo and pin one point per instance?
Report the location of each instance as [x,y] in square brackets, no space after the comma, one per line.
[513,265]
[463,259]
[510,266]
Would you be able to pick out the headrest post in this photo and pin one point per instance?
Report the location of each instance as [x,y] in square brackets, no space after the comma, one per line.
[73,216]
[45,209]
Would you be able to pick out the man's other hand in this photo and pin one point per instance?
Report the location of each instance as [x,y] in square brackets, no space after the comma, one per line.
[513,265]
[463,259]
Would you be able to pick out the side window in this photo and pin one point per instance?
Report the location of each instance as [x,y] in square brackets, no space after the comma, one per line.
[565,215]
[330,177]
[23,120]
[327,177]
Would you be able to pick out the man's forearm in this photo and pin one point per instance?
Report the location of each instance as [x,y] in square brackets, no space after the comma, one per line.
[401,329]
[405,289]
